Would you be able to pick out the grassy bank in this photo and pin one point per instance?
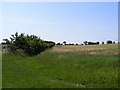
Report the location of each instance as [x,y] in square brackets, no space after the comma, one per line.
[93,66]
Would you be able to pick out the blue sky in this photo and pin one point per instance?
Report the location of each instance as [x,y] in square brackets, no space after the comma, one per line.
[73,22]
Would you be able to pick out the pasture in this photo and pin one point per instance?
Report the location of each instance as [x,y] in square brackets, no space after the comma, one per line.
[90,66]
[0,66]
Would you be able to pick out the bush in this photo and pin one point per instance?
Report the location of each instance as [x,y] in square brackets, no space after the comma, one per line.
[113,42]
[109,42]
[102,42]
[85,42]
[93,43]
[58,44]
[30,44]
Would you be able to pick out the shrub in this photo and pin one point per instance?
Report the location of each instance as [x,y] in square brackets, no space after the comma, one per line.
[93,43]
[102,42]
[58,44]
[109,42]
[113,42]
[64,42]
[30,44]
[85,42]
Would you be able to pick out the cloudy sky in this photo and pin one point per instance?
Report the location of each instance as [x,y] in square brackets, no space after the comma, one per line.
[74,22]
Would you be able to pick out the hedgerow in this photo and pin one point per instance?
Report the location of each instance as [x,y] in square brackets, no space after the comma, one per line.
[30,44]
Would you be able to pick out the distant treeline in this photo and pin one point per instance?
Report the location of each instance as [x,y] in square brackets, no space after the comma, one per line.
[87,43]
[30,44]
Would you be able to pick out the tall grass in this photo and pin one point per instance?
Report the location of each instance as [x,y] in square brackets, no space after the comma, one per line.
[63,67]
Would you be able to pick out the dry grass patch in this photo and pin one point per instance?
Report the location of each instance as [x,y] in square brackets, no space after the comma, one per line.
[88,49]
[74,49]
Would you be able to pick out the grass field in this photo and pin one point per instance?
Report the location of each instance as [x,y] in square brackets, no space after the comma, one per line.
[0,66]
[92,66]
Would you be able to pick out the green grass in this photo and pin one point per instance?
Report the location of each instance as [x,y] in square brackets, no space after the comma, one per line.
[0,67]
[63,67]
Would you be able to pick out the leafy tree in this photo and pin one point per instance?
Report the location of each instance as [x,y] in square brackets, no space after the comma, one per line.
[109,42]
[58,44]
[30,44]
[7,41]
[64,42]
[93,43]
[102,42]
[113,42]
[85,42]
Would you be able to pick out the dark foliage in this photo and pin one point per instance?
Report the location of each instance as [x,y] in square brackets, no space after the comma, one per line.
[113,42]
[59,44]
[102,42]
[85,42]
[64,42]
[93,43]
[109,42]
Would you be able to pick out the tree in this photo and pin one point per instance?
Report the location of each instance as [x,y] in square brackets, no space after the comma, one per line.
[102,42]
[58,44]
[30,44]
[98,43]
[109,42]
[64,42]
[113,42]
[85,42]
[6,41]
[93,43]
